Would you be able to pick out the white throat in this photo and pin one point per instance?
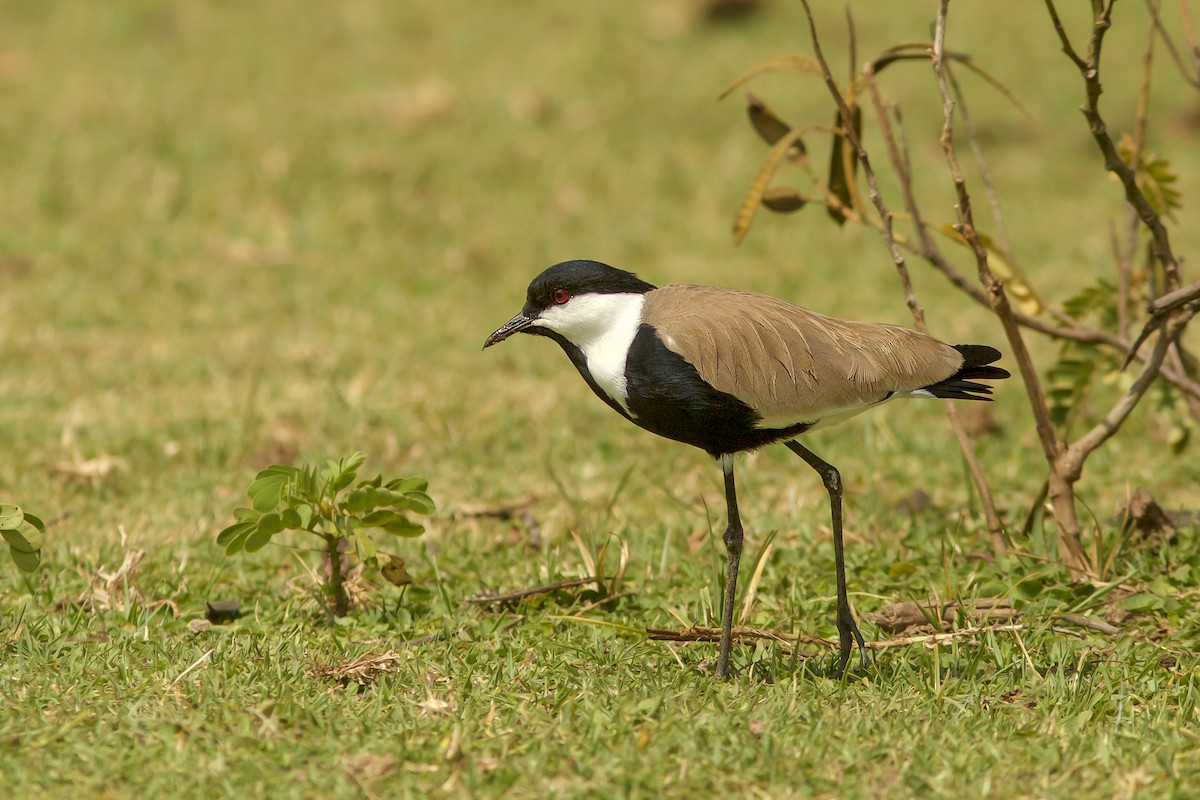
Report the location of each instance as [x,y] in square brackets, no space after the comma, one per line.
[603,327]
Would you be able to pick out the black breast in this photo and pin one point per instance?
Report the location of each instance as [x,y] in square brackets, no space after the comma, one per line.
[668,397]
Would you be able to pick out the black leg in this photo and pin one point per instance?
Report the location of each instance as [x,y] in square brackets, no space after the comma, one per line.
[845,620]
[733,552]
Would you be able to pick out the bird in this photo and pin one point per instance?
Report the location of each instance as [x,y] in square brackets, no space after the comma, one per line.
[730,371]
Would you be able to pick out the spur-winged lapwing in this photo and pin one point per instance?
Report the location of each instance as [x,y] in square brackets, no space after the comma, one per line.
[729,371]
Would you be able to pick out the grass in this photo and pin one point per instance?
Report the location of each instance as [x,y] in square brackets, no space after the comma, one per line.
[235,234]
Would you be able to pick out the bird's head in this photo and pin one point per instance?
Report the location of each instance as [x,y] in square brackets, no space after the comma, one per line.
[574,300]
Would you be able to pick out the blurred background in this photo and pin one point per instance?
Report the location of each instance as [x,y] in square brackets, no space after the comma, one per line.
[239,233]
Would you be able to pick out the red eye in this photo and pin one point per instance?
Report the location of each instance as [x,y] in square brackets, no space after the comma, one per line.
[560,296]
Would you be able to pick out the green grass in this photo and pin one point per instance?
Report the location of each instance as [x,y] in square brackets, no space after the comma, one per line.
[232,234]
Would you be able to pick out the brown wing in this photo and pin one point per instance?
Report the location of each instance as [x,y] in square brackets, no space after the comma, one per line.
[788,363]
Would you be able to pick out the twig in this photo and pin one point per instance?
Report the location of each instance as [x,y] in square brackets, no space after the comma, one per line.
[1090,70]
[1061,477]
[1074,456]
[1125,262]
[698,633]
[900,165]
[1175,299]
[601,601]
[985,174]
[521,594]
[506,510]
[1087,622]
[1070,550]
[1184,69]
[976,470]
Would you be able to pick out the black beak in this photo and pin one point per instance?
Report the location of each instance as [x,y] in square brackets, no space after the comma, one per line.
[515,325]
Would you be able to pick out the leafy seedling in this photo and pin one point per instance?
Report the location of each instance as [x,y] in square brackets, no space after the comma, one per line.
[24,533]
[322,502]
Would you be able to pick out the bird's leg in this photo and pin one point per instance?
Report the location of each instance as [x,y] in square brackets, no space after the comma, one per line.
[733,552]
[845,620]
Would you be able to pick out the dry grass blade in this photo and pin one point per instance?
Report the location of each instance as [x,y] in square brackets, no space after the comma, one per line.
[764,555]
[754,195]
[195,665]
[618,579]
[589,563]
[923,51]
[788,62]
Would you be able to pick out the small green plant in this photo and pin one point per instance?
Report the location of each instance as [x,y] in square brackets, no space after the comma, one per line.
[323,503]
[24,534]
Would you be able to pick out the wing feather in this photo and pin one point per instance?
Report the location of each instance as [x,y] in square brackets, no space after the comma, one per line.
[788,363]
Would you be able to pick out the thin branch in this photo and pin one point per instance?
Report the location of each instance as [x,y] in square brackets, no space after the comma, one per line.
[976,470]
[1090,70]
[1080,449]
[985,174]
[1190,73]
[1176,299]
[1072,329]
[1125,261]
[900,165]
[996,297]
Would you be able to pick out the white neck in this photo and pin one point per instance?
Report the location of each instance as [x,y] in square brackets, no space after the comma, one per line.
[603,327]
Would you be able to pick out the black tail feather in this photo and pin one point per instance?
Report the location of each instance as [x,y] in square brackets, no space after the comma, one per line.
[962,384]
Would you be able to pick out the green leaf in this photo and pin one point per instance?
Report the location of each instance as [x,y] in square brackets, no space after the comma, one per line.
[1067,382]
[379,518]
[267,489]
[25,539]
[308,486]
[11,517]
[1153,175]
[247,515]
[257,540]
[366,547]
[35,522]
[1143,601]
[291,519]
[26,562]
[1099,298]
[340,474]
[236,542]
[408,485]
[420,503]
[234,531]
[402,526]
[269,525]
[364,498]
